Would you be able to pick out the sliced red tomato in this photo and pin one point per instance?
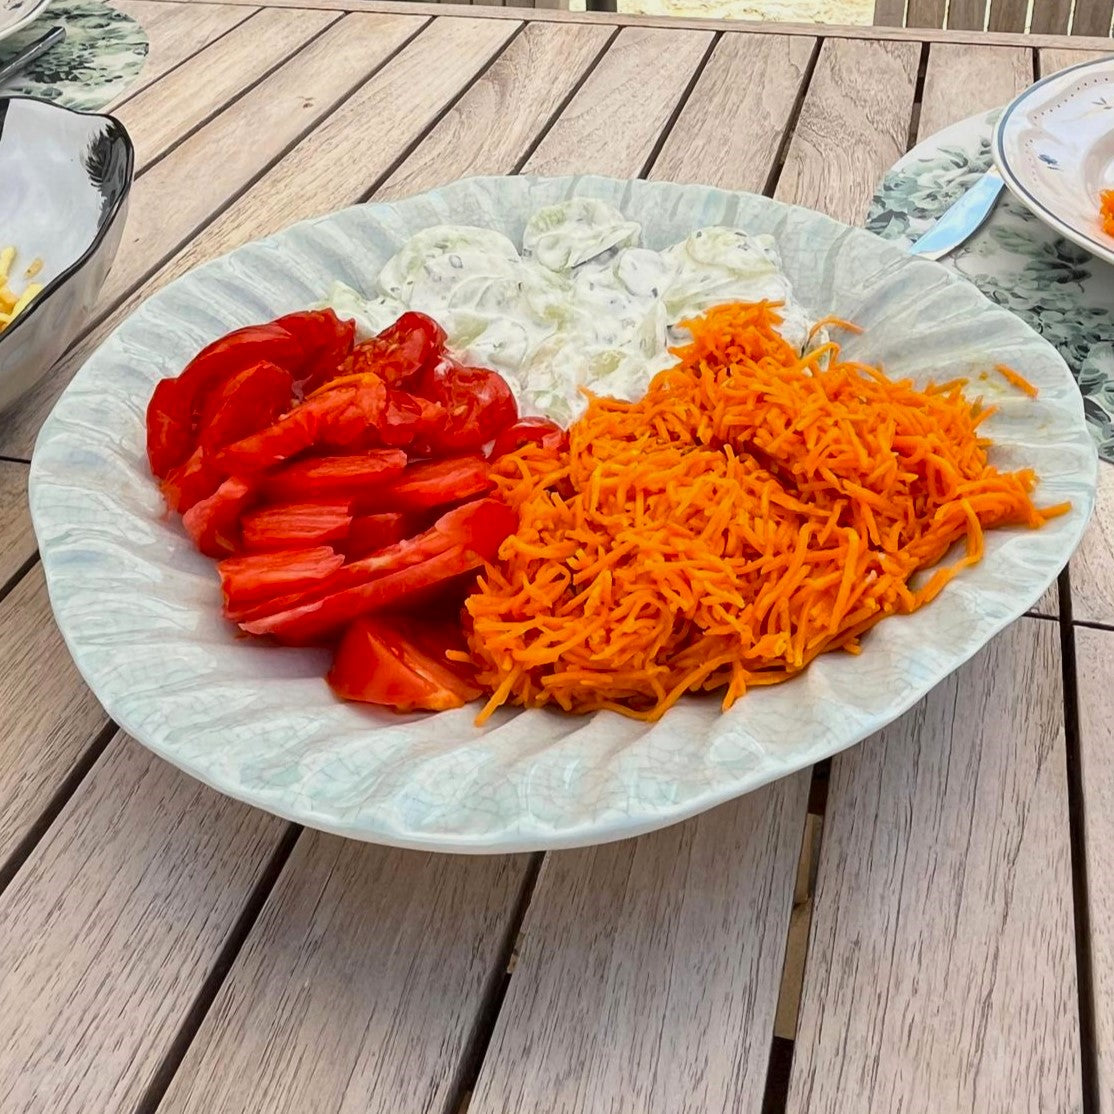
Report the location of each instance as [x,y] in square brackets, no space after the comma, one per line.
[528,431]
[377,663]
[173,412]
[401,351]
[325,339]
[188,483]
[213,523]
[344,418]
[289,525]
[433,483]
[478,405]
[409,418]
[262,575]
[325,477]
[316,620]
[244,403]
[371,532]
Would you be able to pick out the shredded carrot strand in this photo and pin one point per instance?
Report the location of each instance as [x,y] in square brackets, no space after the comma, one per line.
[754,510]
[1017,380]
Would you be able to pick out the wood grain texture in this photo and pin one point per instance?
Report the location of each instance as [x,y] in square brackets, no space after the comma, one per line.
[967,15]
[1050,17]
[180,193]
[925,13]
[1053,60]
[178,34]
[1049,604]
[1094,657]
[962,80]
[112,925]
[17,541]
[612,123]
[911,33]
[1092,568]
[1011,15]
[357,991]
[853,126]
[941,971]
[745,98]
[163,113]
[889,13]
[1092,17]
[648,970]
[49,717]
[490,129]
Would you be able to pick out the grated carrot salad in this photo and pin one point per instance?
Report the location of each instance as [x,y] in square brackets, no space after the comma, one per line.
[1106,211]
[753,510]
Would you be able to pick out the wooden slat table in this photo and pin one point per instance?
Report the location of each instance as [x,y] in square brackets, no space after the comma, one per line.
[921,925]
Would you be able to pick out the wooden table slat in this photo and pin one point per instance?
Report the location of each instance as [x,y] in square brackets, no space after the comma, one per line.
[856,115]
[1092,568]
[181,33]
[1052,60]
[1094,650]
[756,75]
[674,945]
[17,542]
[968,15]
[1092,17]
[1050,17]
[112,926]
[962,80]
[358,990]
[1010,15]
[42,739]
[612,123]
[941,968]
[492,127]
[160,115]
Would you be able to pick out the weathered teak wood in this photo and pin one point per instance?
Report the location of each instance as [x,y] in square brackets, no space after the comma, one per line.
[178,32]
[1092,567]
[1050,17]
[493,126]
[611,124]
[1094,651]
[674,943]
[962,80]
[941,969]
[765,74]
[969,15]
[42,738]
[180,192]
[162,114]
[1092,17]
[1010,15]
[111,928]
[856,113]
[359,987]
[17,543]
[1050,61]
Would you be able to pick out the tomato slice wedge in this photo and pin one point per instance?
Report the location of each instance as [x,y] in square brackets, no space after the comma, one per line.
[246,402]
[371,532]
[325,339]
[325,477]
[478,405]
[289,525]
[173,411]
[213,523]
[313,621]
[528,431]
[433,483]
[377,663]
[261,575]
[401,352]
[190,482]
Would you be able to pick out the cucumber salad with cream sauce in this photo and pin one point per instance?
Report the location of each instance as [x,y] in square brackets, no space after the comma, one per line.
[582,305]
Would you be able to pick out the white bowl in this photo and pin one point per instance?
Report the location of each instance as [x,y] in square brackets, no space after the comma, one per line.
[140,609]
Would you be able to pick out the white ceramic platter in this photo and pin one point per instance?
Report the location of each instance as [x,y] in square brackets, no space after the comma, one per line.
[16,14]
[140,609]
[1054,146]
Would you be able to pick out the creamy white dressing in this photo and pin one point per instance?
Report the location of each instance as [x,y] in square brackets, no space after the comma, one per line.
[580,306]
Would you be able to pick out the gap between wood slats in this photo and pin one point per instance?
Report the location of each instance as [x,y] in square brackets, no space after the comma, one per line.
[1077,804]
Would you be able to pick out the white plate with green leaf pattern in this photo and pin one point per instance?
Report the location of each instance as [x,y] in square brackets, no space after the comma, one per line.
[15,14]
[139,608]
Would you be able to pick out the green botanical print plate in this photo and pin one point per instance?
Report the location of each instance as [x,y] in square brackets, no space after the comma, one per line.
[1015,260]
[101,56]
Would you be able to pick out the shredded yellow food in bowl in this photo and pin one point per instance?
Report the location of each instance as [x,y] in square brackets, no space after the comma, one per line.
[11,303]
[753,510]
